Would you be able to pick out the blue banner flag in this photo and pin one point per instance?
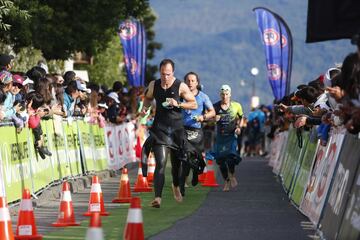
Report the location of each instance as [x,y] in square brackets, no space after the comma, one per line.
[133,40]
[277,40]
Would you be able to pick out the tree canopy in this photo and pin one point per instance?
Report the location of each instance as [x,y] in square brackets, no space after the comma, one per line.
[61,28]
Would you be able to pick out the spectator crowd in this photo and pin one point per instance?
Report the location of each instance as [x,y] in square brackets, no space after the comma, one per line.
[28,97]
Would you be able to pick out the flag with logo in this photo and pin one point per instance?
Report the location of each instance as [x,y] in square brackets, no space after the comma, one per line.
[277,40]
[133,40]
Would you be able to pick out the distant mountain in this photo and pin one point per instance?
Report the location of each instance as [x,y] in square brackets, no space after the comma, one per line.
[220,41]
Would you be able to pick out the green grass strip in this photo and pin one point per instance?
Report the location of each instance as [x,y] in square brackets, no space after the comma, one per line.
[155,220]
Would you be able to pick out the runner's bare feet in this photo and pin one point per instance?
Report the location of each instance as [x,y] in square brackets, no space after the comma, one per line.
[226,186]
[233,181]
[156,203]
[177,193]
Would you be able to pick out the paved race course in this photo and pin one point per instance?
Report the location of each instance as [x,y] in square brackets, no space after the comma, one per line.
[257,208]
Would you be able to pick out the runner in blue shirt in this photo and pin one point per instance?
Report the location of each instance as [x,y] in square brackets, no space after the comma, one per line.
[193,130]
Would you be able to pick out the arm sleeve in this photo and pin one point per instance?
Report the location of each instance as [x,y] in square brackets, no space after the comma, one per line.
[239,110]
[10,112]
[207,102]
[299,110]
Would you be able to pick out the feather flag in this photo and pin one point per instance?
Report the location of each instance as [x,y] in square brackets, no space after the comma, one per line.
[277,40]
[133,40]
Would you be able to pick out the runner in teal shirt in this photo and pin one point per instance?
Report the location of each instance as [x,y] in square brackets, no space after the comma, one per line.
[228,116]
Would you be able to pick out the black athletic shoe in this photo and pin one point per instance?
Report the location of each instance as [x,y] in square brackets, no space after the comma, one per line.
[42,155]
[44,151]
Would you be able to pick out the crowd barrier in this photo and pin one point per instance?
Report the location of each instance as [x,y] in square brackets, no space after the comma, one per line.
[323,182]
[78,148]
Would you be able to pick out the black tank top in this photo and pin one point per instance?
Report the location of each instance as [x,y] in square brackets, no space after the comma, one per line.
[167,117]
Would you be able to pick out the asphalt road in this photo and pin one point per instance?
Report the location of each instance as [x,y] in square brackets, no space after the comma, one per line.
[257,208]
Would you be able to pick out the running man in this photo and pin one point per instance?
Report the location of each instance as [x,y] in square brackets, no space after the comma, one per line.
[193,130]
[228,116]
[167,131]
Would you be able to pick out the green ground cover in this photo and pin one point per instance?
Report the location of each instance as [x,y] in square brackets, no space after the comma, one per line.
[155,220]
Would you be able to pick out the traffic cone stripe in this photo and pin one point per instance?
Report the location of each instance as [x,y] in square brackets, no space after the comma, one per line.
[141,184]
[26,205]
[94,234]
[4,215]
[210,179]
[95,207]
[96,188]
[124,177]
[25,230]
[66,196]
[134,216]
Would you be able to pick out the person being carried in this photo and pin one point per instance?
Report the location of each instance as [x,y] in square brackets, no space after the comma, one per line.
[167,131]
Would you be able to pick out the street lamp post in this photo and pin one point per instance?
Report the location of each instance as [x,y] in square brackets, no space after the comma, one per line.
[254,99]
[254,71]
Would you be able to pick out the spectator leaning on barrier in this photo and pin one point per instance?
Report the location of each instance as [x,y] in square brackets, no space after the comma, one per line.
[20,115]
[115,111]
[81,106]
[36,111]
[71,95]
[11,108]
[5,86]
[102,107]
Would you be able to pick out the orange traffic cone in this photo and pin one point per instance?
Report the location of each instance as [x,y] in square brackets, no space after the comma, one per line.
[124,194]
[96,201]
[151,168]
[95,232]
[134,229]
[66,215]
[26,227]
[141,184]
[202,176]
[210,180]
[5,221]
